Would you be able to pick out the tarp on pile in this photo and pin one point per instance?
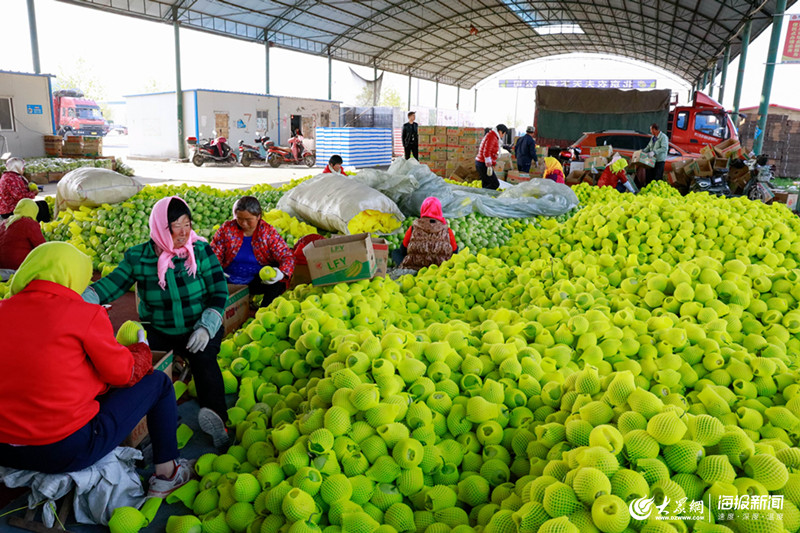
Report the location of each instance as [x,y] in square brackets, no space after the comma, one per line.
[566,113]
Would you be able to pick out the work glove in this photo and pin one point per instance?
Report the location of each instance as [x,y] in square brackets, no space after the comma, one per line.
[651,154]
[141,336]
[490,171]
[629,186]
[33,187]
[142,363]
[278,276]
[198,340]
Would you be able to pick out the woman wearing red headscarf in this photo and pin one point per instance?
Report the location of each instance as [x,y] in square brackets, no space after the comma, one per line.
[429,240]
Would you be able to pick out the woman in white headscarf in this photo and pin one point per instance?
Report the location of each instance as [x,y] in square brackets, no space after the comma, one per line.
[14,187]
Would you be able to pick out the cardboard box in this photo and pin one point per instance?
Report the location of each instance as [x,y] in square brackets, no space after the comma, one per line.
[439,156]
[788,198]
[425,130]
[237,307]
[341,259]
[541,151]
[703,168]
[381,248]
[601,151]
[720,163]
[161,361]
[577,165]
[515,176]
[423,139]
[465,171]
[440,130]
[708,153]
[595,162]
[643,159]
[577,176]
[452,140]
[728,148]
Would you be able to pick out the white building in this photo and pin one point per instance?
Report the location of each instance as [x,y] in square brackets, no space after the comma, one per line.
[26,113]
[153,129]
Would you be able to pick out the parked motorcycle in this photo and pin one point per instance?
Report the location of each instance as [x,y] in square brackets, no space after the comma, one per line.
[278,155]
[716,185]
[249,153]
[215,150]
[760,177]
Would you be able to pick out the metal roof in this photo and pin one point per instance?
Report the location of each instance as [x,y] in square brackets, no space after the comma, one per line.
[461,42]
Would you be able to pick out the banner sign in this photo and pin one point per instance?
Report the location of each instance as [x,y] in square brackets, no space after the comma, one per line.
[791,49]
[587,84]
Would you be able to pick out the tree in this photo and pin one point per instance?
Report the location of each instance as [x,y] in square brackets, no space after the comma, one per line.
[387,97]
[80,76]
[391,98]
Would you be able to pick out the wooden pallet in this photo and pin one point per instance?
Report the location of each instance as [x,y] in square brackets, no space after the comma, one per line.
[30,522]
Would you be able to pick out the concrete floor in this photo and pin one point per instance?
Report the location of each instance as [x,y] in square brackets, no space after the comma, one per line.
[219,176]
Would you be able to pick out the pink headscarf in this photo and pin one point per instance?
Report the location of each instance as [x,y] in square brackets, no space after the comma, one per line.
[432,208]
[159,232]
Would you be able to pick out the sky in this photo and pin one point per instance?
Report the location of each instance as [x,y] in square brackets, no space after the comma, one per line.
[132,56]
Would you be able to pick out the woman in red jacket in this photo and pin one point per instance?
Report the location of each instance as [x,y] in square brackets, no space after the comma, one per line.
[14,187]
[19,234]
[62,408]
[246,244]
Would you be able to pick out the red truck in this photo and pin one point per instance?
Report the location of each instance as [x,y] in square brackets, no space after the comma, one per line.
[76,115]
[563,114]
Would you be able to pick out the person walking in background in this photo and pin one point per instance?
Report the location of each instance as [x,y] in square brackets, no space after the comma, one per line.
[410,136]
[488,152]
[657,147]
[525,150]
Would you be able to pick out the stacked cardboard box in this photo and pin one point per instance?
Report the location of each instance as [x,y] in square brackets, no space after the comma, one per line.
[781,140]
[445,148]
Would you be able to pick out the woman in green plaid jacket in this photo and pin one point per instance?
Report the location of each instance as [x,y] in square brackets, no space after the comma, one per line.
[182,294]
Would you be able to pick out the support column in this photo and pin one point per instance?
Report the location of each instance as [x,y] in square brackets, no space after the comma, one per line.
[34,37]
[330,74]
[475,101]
[458,97]
[178,88]
[266,56]
[705,81]
[726,58]
[769,72]
[375,85]
[740,76]
[409,90]
[436,105]
[711,81]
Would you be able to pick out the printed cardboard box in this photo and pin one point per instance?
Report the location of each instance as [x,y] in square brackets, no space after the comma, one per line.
[708,153]
[595,162]
[602,151]
[381,248]
[515,176]
[161,361]
[425,130]
[643,159]
[340,259]
[728,148]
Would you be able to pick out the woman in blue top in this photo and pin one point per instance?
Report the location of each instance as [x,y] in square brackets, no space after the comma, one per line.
[246,244]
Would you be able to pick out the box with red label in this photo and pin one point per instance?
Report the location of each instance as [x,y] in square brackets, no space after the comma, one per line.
[727,149]
[425,130]
[515,176]
[340,259]
[381,248]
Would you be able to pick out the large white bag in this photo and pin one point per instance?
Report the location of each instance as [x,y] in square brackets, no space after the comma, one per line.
[330,201]
[93,187]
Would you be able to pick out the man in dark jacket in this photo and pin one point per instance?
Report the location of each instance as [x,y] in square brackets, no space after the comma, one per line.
[411,136]
[525,150]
